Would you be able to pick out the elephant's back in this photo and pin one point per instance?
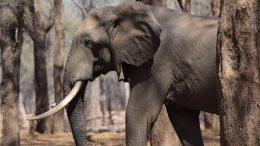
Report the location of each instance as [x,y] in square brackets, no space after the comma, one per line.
[188,47]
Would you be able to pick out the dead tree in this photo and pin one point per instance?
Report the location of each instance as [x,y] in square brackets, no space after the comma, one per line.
[11,38]
[238,71]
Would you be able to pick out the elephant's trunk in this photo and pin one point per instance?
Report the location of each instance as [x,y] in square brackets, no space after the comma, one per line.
[79,67]
[75,113]
[62,104]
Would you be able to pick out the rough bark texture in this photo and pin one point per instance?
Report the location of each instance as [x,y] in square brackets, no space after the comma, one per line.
[38,34]
[238,58]
[11,21]
[58,119]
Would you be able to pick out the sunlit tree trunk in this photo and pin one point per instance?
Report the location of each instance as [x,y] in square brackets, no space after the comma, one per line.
[11,25]
[238,71]
[58,119]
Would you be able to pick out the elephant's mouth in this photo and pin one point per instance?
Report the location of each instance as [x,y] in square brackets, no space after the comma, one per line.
[76,88]
[100,67]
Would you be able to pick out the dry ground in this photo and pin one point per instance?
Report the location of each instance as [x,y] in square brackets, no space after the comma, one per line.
[211,138]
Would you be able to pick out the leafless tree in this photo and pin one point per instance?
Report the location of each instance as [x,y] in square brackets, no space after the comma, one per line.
[84,5]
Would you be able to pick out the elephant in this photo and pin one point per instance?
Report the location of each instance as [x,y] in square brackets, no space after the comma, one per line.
[167,57]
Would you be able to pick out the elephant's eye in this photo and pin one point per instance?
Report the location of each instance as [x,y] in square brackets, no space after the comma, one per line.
[88,44]
[117,22]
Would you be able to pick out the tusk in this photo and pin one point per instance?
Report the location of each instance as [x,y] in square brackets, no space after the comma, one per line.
[62,104]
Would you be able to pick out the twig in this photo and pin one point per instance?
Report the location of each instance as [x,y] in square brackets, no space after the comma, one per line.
[80,7]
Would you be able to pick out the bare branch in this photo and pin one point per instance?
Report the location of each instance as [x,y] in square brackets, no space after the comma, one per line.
[28,23]
[49,27]
[83,10]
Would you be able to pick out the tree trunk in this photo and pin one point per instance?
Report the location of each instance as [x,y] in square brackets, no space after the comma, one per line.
[58,119]
[38,34]
[92,106]
[211,121]
[163,133]
[238,70]
[1,77]
[185,5]
[11,44]
[112,96]
[215,4]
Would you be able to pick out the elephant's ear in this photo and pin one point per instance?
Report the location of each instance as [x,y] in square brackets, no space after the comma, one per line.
[134,33]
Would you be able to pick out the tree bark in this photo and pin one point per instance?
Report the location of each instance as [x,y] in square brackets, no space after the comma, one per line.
[163,133]
[11,21]
[238,71]
[1,117]
[215,4]
[38,33]
[58,119]
[185,5]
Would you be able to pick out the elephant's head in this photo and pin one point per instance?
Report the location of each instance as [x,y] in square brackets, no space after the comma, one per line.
[108,37]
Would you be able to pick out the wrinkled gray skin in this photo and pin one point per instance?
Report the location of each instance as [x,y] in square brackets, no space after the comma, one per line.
[160,52]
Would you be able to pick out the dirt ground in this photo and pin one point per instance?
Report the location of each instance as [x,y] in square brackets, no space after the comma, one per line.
[211,138]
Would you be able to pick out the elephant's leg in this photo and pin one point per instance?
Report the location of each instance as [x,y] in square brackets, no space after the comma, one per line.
[144,105]
[75,112]
[186,125]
